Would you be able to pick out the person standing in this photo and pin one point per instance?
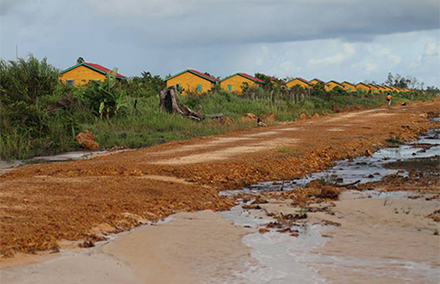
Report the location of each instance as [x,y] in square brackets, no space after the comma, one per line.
[389,99]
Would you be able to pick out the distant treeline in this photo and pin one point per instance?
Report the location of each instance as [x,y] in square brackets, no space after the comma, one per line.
[406,83]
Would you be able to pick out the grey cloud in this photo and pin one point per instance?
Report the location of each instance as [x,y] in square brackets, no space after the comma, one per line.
[10,6]
[243,21]
[222,37]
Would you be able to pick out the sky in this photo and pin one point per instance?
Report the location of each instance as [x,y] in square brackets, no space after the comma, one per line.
[343,40]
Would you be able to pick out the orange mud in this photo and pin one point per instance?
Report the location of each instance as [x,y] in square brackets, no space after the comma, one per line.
[41,205]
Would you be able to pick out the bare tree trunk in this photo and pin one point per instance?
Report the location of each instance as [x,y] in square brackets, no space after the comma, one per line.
[169,102]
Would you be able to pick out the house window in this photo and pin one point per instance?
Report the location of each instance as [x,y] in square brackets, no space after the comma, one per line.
[199,88]
[229,88]
[70,83]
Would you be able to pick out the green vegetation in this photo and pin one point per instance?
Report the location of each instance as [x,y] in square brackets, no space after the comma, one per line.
[40,116]
[393,140]
[284,149]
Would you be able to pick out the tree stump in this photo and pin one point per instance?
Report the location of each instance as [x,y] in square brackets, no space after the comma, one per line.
[169,102]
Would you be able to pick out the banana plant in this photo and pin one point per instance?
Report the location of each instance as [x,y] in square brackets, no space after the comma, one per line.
[106,98]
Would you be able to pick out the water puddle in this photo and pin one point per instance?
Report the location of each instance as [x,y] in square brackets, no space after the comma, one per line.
[286,259]
[363,169]
[282,258]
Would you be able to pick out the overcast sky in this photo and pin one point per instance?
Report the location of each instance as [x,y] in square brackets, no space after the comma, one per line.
[351,40]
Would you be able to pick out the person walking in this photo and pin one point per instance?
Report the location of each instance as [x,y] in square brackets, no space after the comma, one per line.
[389,99]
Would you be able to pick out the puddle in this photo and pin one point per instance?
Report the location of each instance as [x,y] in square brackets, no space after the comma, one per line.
[282,258]
[362,169]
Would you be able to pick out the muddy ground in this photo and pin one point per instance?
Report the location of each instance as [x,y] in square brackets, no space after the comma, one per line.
[333,235]
[43,206]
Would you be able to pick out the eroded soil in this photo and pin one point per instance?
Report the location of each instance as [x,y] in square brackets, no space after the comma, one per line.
[40,205]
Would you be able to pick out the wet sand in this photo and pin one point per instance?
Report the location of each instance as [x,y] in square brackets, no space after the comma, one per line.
[380,240]
[199,247]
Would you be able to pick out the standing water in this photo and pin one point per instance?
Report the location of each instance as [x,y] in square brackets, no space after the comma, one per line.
[285,259]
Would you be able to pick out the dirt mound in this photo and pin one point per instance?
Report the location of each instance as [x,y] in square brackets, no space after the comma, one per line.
[86,140]
[268,119]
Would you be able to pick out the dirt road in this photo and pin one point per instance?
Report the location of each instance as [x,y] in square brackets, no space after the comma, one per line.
[42,205]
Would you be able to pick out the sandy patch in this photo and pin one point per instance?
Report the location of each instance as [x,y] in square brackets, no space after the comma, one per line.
[165,178]
[212,156]
[266,133]
[229,152]
[382,114]
[351,115]
[222,140]
[72,267]
[197,247]
[335,129]
[192,248]
[270,144]
[290,129]
[378,240]
[205,145]
[381,241]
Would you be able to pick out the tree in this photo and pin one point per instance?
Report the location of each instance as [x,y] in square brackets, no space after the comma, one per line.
[146,85]
[26,80]
[402,82]
[390,80]
[432,89]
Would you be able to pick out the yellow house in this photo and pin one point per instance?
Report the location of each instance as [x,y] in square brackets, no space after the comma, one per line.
[349,87]
[382,89]
[192,80]
[395,89]
[316,81]
[388,89]
[362,87]
[85,72]
[330,85]
[374,89]
[300,82]
[235,83]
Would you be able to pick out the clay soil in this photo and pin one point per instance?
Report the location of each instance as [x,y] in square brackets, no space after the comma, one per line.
[43,205]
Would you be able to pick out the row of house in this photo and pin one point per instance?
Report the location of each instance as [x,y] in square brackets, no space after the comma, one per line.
[347,86]
[195,81]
